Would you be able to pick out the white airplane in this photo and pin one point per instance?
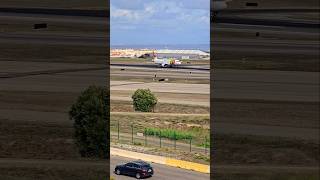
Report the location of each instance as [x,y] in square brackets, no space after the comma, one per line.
[165,62]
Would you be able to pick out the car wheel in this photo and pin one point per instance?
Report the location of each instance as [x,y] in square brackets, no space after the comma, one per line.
[118,172]
[138,176]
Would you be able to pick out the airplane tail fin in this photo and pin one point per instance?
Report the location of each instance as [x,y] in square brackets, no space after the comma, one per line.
[153,56]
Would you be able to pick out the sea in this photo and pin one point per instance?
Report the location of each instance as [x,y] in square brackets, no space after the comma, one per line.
[203,47]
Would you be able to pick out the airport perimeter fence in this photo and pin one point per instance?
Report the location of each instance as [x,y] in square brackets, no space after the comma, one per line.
[153,137]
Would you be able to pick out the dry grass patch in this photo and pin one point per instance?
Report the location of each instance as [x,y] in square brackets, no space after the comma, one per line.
[126,106]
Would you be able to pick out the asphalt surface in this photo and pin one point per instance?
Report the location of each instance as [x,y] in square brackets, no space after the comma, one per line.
[242,84]
[161,172]
[185,66]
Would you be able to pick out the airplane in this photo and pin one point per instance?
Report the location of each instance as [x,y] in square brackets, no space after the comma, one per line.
[165,62]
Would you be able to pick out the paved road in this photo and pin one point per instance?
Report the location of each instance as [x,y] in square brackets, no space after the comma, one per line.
[162,172]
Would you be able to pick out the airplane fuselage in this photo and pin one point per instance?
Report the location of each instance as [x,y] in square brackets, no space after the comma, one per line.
[166,62]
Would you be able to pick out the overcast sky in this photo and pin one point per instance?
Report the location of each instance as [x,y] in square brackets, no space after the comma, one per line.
[160,22]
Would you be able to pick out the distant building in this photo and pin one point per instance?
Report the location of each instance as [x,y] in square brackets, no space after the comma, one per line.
[162,53]
[129,53]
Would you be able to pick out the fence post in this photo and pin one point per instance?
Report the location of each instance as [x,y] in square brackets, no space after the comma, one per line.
[118,131]
[160,138]
[205,145]
[190,144]
[175,139]
[132,133]
[145,137]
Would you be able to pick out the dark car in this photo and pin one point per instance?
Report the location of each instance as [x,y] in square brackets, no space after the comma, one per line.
[138,169]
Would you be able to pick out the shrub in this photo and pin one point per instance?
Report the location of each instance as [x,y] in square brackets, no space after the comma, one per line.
[91,121]
[144,100]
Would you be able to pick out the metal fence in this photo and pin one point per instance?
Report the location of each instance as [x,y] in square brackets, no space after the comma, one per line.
[136,135]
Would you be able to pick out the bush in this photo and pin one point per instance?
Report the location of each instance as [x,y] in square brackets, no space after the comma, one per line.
[91,121]
[144,100]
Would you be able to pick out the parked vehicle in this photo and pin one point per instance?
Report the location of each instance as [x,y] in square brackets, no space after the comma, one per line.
[138,169]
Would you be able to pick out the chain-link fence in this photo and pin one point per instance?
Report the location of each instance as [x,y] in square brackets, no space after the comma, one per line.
[135,134]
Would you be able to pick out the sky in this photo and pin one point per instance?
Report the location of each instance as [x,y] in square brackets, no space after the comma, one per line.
[168,22]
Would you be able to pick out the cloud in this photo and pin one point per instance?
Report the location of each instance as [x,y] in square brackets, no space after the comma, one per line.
[124,14]
[165,17]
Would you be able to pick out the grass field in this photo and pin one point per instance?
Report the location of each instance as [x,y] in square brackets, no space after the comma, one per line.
[198,124]
[255,150]
[257,157]
[126,106]
[188,126]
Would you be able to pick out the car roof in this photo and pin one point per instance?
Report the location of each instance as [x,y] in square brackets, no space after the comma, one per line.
[139,162]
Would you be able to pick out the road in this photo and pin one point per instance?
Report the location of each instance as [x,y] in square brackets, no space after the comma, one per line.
[162,172]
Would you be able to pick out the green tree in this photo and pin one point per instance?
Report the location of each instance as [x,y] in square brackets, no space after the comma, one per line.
[90,114]
[144,100]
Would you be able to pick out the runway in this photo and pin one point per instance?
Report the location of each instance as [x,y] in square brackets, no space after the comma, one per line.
[242,84]
[153,66]
[161,171]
